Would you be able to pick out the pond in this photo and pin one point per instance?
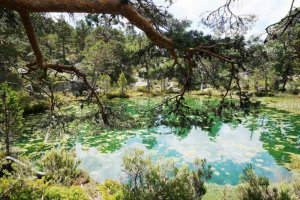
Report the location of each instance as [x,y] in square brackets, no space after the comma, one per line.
[264,138]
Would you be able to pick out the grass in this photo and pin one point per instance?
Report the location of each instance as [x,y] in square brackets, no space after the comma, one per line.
[287,102]
[218,192]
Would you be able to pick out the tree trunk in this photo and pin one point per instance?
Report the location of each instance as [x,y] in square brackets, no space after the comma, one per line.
[266,83]
[284,84]
[3,73]
[64,50]
[201,81]
[147,77]
[162,85]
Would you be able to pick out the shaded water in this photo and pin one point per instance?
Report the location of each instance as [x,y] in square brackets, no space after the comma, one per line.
[265,139]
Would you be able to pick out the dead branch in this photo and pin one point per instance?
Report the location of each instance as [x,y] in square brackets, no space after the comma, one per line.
[37,173]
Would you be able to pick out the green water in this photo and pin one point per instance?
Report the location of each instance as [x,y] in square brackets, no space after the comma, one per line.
[264,138]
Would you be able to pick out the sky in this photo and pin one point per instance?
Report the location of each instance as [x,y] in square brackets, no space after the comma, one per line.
[267,11]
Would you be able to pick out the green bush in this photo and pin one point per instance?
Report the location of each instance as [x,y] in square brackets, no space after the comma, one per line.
[65,193]
[14,184]
[147,180]
[295,164]
[18,185]
[263,93]
[31,105]
[142,89]
[116,94]
[61,167]
[36,107]
[111,190]
[255,187]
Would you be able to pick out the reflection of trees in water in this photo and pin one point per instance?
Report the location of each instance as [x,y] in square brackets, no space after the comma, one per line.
[149,139]
[280,133]
[209,115]
[279,130]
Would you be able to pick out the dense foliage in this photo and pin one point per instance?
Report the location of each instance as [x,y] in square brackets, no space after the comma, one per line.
[11,115]
[102,57]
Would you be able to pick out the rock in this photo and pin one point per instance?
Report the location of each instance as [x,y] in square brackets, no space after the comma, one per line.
[62,86]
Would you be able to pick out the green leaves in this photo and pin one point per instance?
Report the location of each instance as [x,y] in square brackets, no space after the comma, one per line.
[11,114]
[60,167]
[162,180]
[258,187]
[122,82]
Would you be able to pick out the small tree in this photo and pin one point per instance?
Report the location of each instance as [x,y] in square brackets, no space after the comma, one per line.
[104,83]
[61,167]
[122,82]
[10,114]
[259,187]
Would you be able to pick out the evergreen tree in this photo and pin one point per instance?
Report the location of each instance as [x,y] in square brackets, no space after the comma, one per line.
[10,114]
[122,82]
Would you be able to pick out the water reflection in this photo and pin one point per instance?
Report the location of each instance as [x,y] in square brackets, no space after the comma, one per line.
[229,153]
[265,138]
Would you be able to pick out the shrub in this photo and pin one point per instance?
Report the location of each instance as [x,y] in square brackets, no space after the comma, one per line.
[14,184]
[36,107]
[295,162]
[61,167]
[111,190]
[263,93]
[65,193]
[104,83]
[146,180]
[18,185]
[258,187]
[31,105]
[122,82]
[142,89]
[116,94]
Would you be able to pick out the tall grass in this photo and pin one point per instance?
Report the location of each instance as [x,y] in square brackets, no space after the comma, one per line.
[290,103]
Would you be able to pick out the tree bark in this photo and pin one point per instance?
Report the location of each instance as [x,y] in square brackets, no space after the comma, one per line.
[25,18]
[37,173]
[114,7]
[266,83]
[64,51]
[147,76]
[3,73]
[285,79]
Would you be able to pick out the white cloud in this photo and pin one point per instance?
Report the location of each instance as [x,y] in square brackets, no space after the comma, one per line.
[268,11]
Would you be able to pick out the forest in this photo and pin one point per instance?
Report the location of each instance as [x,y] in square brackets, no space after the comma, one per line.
[122,100]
